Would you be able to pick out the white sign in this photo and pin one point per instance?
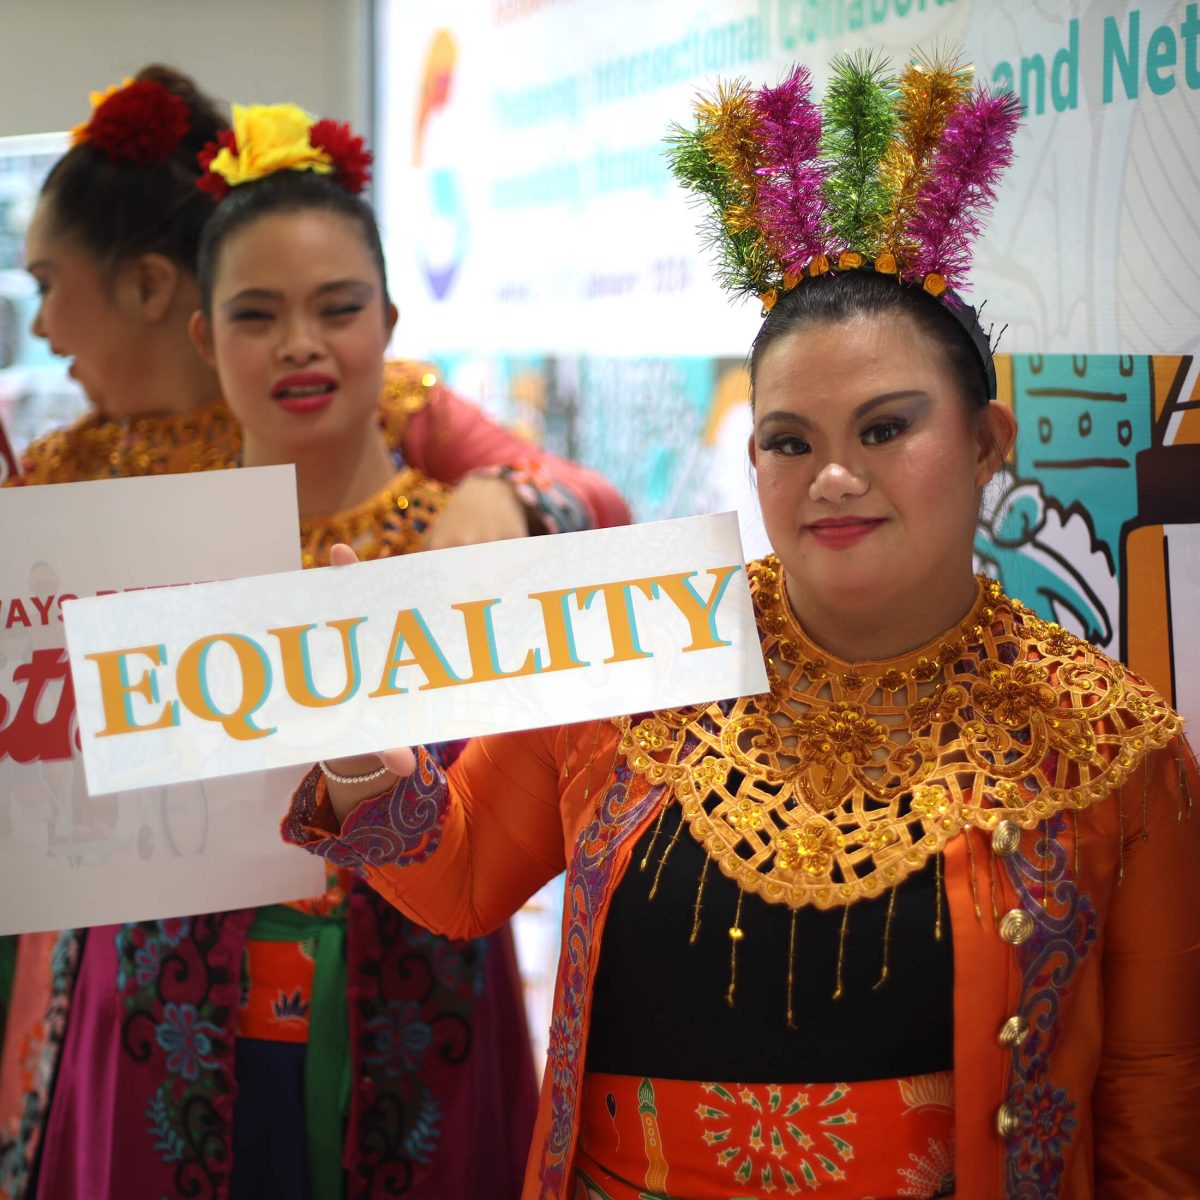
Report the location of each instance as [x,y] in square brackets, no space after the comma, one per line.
[67,859]
[257,673]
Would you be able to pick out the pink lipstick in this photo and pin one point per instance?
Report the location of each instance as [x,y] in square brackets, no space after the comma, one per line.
[840,533]
[304,391]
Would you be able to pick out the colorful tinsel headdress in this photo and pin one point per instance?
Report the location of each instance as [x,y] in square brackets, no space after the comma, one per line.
[282,137]
[892,174]
[138,122]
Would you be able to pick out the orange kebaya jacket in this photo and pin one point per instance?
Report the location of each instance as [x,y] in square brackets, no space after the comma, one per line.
[1055,784]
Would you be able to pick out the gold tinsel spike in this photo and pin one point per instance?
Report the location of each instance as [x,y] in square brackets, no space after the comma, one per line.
[1185,786]
[662,816]
[929,90]
[731,133]
[1146,798]
[587,779]
[937,872]
[887,937]
[662,862]
[791,972]
[841,954]
[968,834]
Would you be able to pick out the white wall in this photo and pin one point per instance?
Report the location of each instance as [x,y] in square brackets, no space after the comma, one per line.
[53,52]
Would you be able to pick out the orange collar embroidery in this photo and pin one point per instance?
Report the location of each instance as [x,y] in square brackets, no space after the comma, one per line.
[845,778]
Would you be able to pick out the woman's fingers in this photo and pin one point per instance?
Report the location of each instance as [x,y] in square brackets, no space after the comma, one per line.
[402,762]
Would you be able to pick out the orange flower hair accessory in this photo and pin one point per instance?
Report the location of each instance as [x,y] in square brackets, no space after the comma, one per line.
[138,122]
[282,137]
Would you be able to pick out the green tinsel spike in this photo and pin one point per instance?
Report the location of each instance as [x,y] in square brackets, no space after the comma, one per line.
[858,125]
[741,261]
[691,163]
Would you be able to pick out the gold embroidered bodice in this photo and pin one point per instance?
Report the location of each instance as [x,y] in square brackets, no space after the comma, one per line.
[393,521]
[847,778]
[407,389]
[100,447]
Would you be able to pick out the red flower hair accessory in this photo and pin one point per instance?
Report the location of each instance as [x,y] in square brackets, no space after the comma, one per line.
[351,158]
[139,122]
[209,180]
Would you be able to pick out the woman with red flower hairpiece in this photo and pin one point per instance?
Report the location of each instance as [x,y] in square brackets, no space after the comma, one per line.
[114,246]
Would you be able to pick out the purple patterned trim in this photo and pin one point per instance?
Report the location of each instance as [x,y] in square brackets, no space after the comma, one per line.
[551,507]
[1065,928]
[398,828]
[626,807]
[302,815]
[414,1006]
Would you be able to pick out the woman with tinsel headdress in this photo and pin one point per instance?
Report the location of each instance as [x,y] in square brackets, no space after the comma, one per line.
[922,920]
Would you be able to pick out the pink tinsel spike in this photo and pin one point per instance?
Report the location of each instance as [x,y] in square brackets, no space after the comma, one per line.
[791,205]
[974,151]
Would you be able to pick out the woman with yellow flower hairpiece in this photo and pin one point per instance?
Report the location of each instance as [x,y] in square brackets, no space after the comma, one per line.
[212,1010]
[924,919]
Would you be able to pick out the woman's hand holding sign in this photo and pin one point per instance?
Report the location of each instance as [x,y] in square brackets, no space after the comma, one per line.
[353,780]
[481,510]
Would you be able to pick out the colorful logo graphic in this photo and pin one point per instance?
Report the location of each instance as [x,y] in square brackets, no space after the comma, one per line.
[442,248]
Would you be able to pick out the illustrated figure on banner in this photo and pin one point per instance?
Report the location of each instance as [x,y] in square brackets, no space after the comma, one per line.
[1049,557]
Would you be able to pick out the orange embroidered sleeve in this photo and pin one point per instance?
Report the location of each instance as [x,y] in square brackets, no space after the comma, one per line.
[1147,1096]
[501,839]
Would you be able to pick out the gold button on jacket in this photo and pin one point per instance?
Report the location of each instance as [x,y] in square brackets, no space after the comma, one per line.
[1014,1031]
[1008,1120]
[1006,837]
[1016,926]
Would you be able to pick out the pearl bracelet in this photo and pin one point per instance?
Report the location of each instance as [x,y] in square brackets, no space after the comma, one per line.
[351,778]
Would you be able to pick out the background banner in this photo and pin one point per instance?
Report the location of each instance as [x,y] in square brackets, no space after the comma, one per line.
[529,209]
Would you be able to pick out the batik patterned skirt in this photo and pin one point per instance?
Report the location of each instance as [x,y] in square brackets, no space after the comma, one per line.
[670,1139]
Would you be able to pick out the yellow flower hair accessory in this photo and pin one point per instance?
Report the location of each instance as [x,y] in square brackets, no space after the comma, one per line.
[267,138]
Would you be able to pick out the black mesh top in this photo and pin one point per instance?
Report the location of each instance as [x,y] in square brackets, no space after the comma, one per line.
[660,1005]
